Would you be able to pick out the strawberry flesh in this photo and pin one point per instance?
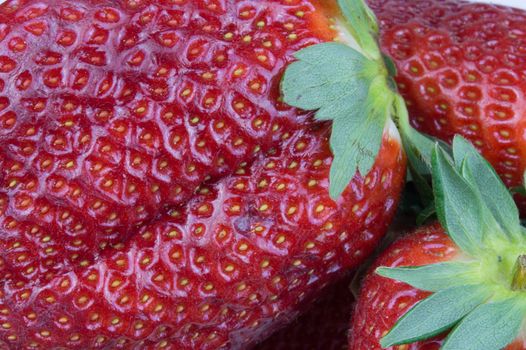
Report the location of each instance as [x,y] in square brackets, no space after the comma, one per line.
[383,301]
[154,191]
[217,271]
[460,69]
[112,111]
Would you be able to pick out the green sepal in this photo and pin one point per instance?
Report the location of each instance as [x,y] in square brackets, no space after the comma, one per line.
[494,193]
[356,145]
[435,277]
[362,24]
[419,147]
[344,86]
[458,205]
[521,190]
[419,150]
[426,214]
[436,314]
[328,78]
[490,326]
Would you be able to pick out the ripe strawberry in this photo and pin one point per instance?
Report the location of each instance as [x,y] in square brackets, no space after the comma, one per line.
[460,68]
[323,326]
[111,111]
[219,270]
[155,192]
[382,301]
[458,285]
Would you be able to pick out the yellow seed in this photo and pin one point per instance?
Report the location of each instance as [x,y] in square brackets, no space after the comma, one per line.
[116,283]
[243,247]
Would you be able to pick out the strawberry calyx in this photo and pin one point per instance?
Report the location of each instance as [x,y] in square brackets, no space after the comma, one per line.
[479,297]
[518,283]
[351,83]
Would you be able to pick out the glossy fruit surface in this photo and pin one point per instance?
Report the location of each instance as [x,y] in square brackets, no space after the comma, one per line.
[461,70]
[384,301]
[217,271]
[154,191]
[112,111]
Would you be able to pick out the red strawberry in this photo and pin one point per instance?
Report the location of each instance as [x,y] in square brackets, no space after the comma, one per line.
[458,285]
[155,192]
[323,326]
[111,111]
[217,271]
[383,301]
[460,69]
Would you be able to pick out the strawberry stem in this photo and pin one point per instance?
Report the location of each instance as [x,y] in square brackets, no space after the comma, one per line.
[519,274]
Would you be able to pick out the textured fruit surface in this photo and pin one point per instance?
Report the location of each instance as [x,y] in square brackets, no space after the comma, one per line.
[383,301]
[217,271]
[111,111]
[461,70]
[154,191]
[323,327]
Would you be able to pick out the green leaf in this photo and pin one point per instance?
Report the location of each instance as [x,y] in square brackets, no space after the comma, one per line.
[329,78]
[419,148]
[435,277]
[362,24]
[494,193]
[426,214]
[458,205]
[489,223]
[436,314]
[490,326]
[344,86]
[355,147]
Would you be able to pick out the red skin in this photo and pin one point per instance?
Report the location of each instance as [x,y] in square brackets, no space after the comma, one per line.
[383,301]
[461,70]
[96,140]
[323,327]
[103,244]
[235,259]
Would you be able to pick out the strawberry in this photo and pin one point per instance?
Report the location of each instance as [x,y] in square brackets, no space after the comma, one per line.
[111,111]
[459,284]
[460,68]
[323,326]
[155,191]
[217,271]
[382,301]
